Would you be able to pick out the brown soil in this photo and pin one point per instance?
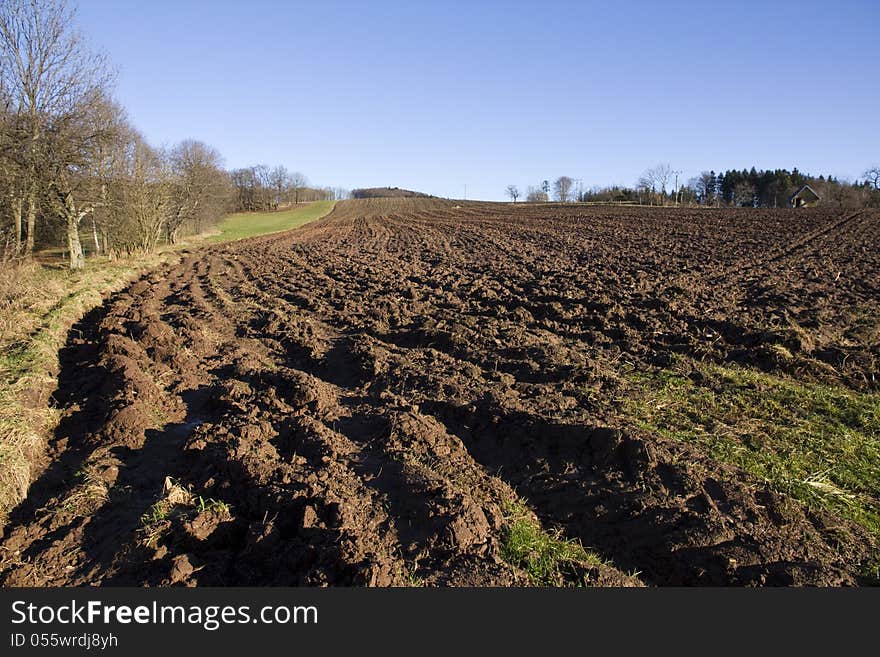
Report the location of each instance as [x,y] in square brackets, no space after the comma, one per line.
[367,394]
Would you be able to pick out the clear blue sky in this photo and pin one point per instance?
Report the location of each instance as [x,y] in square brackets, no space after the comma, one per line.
[433,96]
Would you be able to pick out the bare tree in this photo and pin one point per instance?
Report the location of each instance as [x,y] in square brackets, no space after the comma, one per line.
[199,187]
[513,192]
[297,182]
[840,193]
[537,195]
[662,174]
[655,181]
[50,77]
[645,190]
[562,188]
[744,195]
[703,187]
[872,175]
[76,141]
[67,153]
[263,188]
[147,193]
[245,183]
[12,182]
[279,181]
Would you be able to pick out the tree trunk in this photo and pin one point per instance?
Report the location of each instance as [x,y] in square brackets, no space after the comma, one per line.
[17,204]
[74,247]
[31,222]
[72,218]
[95,236]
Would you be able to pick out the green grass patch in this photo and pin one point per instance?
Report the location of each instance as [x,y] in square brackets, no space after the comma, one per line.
[547,558]
[210,505]
[249,224]
[818,443]
[177,501]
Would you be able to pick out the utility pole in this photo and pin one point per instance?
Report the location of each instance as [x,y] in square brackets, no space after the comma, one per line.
[677,192]
[465,192]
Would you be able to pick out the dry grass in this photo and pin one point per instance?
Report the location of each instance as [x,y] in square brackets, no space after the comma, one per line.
[87,495]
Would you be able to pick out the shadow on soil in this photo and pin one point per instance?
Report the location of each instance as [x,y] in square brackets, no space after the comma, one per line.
[614,494]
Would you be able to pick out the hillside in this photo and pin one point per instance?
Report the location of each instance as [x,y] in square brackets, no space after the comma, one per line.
[387,192]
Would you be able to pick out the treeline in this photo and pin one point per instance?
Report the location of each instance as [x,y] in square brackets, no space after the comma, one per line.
[774,188]
[75,172]
[754,188]
[261,188]
[563,191]
[386,192]
[662,185]
[71,162]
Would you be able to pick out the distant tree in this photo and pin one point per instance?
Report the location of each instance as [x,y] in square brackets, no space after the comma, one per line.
[244,182]
[655,181]
[297,182]
[263,189]
[686,196]
[842,194]
[537,195]
[147,194]
[279,182]
[386,192]
[513,192]
[645,189]
[703,186]
[545,187]
[662,174]
[872,175]
[744,194]
[775,188]
[562,188]
[199,187]
[613,194]
[727,183]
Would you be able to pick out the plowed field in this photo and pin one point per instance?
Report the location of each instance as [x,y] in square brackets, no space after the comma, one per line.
[379,397]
